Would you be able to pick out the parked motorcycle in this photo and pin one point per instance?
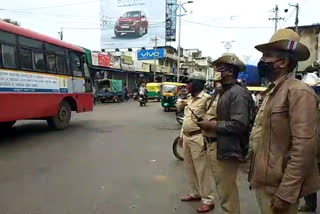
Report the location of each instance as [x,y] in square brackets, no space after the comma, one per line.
[177,149]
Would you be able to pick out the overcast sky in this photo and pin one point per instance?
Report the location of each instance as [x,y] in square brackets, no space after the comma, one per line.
[207,24]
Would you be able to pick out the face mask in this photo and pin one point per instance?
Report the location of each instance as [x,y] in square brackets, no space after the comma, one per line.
[264,68]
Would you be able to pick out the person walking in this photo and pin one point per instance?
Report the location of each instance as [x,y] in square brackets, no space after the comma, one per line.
[231,126]
[285,133]
[195,158]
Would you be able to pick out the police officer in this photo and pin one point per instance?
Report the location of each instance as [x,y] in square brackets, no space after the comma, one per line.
[227,126]
[195,157]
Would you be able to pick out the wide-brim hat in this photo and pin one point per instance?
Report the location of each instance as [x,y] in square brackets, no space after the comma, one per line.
[286,40]
[231,59]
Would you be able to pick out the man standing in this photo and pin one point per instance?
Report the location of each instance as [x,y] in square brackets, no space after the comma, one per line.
[231,125]
[284,137]
[195,157]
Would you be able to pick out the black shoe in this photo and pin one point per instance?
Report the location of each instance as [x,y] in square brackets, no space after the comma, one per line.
[306,208]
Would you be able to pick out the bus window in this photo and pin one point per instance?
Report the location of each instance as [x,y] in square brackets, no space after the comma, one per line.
[52,66]
[38,60]
[55,49]
[76,65]
[26,58]
[61,65]
[8,54]
[30,42]
[7,37]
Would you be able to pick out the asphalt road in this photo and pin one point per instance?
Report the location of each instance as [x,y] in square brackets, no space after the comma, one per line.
[116,159]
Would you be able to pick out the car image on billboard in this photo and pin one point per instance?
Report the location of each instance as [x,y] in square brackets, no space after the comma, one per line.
[132,22]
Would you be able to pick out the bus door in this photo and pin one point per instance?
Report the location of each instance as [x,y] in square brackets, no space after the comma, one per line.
[78,80]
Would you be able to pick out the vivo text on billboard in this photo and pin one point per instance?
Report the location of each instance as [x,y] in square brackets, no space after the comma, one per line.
[150,54]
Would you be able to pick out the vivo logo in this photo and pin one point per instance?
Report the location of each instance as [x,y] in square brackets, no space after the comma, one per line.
[150,54]
[144,55]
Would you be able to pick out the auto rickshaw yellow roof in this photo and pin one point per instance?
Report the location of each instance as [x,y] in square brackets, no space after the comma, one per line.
[173,83]
[153,84]
[256,88]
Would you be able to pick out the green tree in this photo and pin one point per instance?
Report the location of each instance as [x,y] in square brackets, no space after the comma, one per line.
[11,21]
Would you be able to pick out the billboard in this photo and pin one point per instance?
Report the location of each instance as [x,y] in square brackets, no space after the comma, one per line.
[132,23]
[171,20]
[149,54]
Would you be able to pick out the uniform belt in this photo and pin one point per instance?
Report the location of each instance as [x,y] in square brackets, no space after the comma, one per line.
[191,133]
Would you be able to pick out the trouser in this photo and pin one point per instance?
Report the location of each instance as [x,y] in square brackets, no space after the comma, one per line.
[197,169]
[311,200]
[225,177]
[265,198]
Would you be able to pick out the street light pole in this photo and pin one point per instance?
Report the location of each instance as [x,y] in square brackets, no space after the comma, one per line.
[179,43]
[155,58]
[297,15]
[180,7]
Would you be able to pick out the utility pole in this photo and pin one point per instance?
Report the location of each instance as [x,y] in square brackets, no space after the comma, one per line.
[180,7]
[297,15]
[61,33]
[276,18]
[155,57]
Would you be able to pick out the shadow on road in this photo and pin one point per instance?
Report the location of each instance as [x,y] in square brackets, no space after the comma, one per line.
[21,131]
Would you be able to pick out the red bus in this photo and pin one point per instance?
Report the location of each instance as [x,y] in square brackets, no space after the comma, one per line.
[41,78]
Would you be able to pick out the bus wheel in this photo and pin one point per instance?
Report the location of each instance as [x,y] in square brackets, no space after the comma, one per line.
[6,125]
[62,119]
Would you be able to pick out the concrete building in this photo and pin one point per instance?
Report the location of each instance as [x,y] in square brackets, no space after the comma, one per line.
[309,36]
[194,61]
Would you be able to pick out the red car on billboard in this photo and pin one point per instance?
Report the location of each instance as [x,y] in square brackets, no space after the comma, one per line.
[132,22]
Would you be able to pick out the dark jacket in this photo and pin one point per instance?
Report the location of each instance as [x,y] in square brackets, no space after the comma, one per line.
[233,122]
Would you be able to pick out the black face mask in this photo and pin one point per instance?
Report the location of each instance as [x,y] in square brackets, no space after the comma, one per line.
[265,68]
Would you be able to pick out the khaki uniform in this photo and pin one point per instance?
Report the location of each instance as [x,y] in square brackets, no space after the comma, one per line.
[224,171]
[195,158]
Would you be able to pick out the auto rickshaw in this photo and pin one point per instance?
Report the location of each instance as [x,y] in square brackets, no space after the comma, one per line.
[109,90]
[169,92]
[256,88]
[153,91]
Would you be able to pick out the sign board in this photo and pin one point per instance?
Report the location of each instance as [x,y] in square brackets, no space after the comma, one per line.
[132,23]
[100,59]
[171,20]
[17,81]
[149,54]
[126,60]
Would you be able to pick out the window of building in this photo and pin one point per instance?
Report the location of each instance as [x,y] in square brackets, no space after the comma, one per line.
[38,60]
[8,54]
[52,65]
[76,65]
[26,58]
[61,65]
